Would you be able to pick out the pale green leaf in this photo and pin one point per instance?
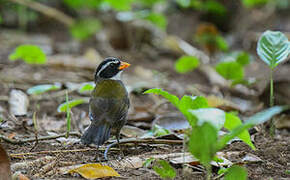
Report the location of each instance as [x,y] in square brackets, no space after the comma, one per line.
[214,116]
[202,143]
[186,64]
[164,169]
[63,107]
[230,70]
[256,119]
[39,89]
[233,121]
[87,87]
[30,54]
[170,97]
[236,173]
[273,48]
[85,28]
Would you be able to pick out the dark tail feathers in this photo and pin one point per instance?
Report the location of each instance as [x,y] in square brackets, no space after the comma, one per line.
[96,134]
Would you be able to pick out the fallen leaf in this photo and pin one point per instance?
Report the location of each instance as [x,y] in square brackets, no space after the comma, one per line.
[251,158]
[226,105]
[131,131]
[93,171]
[22,177]
[18,102]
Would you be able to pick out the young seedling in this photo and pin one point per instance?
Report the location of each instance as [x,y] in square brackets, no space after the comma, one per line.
[205,122]
[68,116]
[273,48]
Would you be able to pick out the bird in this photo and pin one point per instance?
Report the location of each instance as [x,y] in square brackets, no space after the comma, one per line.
[109,103]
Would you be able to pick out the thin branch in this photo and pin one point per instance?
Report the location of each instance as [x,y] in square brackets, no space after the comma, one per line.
[139,141]
[46,10]
[12,141]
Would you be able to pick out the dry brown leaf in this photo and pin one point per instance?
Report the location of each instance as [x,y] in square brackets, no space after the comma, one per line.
[214,101]
[93,171]
[22,177]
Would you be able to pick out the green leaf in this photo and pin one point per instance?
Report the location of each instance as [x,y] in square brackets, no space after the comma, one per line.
[230,70]
[1,19]
[221,43]
[159,131]
[214,116]
[77,4]
[150,3]
[243,58]
[39,89]
[157,19]
[83,29]
[191,102]
[164,169]
[186,64]
[233,121]
[183,3]
[236,173]
[31,54]
[120,5]
[170,97]
[214,7]
[273,48]
[87,87]
[253,3]
[68,116]
[63,107]
[202,143]
[256,119]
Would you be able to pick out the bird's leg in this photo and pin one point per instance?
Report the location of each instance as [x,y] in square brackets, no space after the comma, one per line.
[118,141]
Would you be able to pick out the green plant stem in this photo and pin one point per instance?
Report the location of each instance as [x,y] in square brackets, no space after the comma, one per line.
[272,126]
[271,88]
[208,172]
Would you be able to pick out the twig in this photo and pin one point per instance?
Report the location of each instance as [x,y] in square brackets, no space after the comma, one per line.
[139,141]
[46,10]
[12,141]
[52,152]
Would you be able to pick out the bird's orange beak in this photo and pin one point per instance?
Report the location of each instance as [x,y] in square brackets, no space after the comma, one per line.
[124,65]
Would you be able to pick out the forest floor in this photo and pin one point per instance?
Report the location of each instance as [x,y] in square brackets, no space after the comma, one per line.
[151,68]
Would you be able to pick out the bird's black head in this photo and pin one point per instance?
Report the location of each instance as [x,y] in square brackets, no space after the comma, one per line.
[110,67]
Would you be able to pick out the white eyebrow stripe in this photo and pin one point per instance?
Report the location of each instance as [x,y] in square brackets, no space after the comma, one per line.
[106,65]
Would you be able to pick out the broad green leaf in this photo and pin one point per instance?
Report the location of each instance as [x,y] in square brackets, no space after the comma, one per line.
[93,171]
[230,70]
[253,3]
[183,3]
[233,121]
[164,169]
[30,54]
[150,3]
[87,87]
[191,102]
[273,48]
[120,5]
[202,143]
[256,119]
[236,173]
[186,64]
[39,89]
[221,43]
[77,4]
[63,107]
[170,97]
[214,116]
[243,58]
[83,29]
[214,7]
[157,19]
[159,131]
